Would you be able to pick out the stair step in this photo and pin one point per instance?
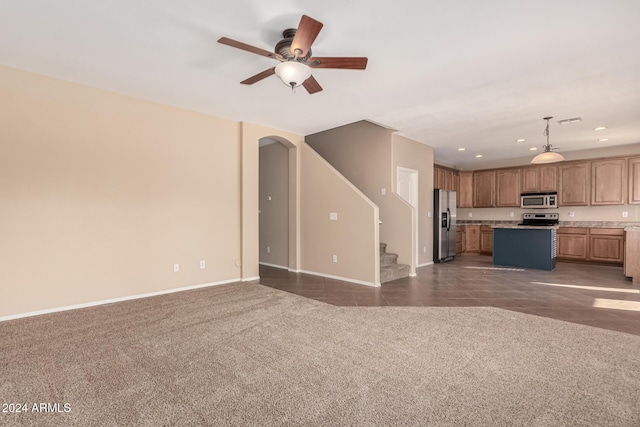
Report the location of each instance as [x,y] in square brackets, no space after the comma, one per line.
[387,259]
[383,248]
[393,272]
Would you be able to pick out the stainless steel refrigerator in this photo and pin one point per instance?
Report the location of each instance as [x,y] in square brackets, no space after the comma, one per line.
[444,225]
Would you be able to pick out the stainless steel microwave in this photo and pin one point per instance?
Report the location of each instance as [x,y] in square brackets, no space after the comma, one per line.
[539,200]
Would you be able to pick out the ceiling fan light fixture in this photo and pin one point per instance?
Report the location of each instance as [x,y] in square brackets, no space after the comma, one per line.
[293,73]
[547,156]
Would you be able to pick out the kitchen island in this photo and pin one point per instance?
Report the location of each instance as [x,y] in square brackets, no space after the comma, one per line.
[525,246]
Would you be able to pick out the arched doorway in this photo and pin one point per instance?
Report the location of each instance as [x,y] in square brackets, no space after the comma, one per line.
[273,204]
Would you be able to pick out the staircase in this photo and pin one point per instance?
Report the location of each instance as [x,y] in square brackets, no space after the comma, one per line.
[389,267]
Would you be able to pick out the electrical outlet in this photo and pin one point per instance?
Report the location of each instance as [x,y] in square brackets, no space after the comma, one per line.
[333,216]
[203,264]
[176,268]
[429,214]
[625,214]
[268,197]
[470,215]
[512,214]
[335,258]
[268,249]
[383,191]
[424,249]
[572,214]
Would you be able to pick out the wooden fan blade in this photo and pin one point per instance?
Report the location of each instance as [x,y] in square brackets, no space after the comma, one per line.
[306,33]
[263,75]
[311,85]
[351,63]
[249,48]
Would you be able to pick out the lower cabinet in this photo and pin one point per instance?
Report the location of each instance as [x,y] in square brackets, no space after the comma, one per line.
[460,247]
[486,240]
[573,243]
[472,238]
[591,244]
[606,245]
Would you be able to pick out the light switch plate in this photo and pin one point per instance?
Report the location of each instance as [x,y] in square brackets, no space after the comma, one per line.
[383,191]
[625,214]
[333,216]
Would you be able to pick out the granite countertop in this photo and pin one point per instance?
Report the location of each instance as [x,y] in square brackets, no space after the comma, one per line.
[527,227]
[633,226]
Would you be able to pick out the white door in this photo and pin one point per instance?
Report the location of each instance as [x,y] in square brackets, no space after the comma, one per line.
[407,188]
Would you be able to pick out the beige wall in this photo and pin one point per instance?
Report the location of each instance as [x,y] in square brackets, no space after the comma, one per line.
[100,194]
[417,156]
[274,205]
[362,152]
[353,237]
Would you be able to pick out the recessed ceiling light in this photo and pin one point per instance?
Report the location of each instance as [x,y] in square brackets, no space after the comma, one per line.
[533,148]
[478,155]
[461,149]
[600,128]
[603,139]
[568,121]
[520,140]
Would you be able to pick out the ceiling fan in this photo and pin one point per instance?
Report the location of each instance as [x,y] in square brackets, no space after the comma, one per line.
[296,60]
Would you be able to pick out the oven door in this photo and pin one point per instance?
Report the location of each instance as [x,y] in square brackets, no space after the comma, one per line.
[531,201]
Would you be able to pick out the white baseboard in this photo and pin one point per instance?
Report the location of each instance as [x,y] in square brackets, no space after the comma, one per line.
[274,265]
[292,270]
[425,264]
[112,300]
[344,279]
[249,279]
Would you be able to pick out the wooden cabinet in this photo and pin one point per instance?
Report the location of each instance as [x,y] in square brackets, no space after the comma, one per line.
[548,180]
[608,182]
[459,241]
[484,188]
[573,243]
[472,238]
[634,180]
[445,178]
[538,179]
[574,185]
[508,187]
[606,245]
[632,255]
[530,177]
[591,244]
[486,240]
[465,193]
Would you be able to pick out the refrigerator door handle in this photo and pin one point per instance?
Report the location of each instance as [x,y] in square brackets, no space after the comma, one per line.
[449,223]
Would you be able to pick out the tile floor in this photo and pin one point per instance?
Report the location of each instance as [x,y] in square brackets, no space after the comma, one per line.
[471,281]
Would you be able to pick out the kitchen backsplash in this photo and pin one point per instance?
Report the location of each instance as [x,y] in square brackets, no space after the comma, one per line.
[580,213]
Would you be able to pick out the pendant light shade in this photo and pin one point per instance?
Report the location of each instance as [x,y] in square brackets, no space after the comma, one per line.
[293,73]
[547,156]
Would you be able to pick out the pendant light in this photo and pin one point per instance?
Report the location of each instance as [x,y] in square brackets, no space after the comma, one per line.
[548,156]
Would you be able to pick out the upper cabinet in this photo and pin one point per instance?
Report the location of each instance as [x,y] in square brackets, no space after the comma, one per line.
[445,178]
[508,187]
[465,191]
[548,178]
[609,182]
[538,179]
[634,180]
[597,182]
[484,189]
[574,184]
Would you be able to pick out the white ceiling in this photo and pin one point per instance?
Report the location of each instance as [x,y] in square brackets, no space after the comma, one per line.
[477,74]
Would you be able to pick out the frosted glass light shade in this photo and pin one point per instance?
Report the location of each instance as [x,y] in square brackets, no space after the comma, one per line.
[547,157]
[293,73]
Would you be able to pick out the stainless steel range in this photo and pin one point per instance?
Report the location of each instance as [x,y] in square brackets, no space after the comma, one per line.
[540,219]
